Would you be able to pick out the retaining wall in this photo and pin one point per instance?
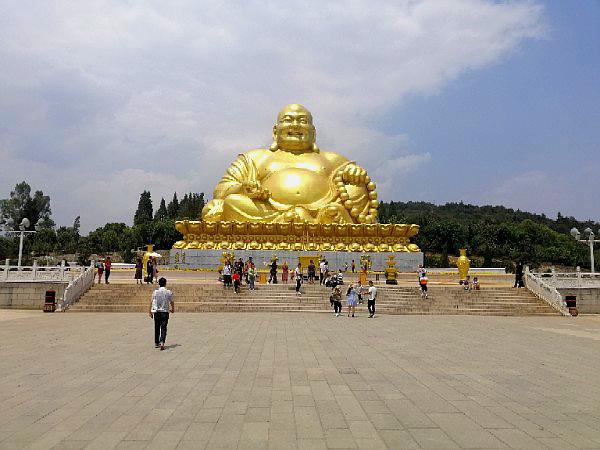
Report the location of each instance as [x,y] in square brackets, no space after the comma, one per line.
[28,295]
[588,299]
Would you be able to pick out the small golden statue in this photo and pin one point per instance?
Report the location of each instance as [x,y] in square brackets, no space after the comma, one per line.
[293,181]
[225,256]
[390,271]
[463,263]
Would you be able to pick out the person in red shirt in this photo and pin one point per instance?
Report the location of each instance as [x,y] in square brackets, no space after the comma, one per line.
[237,281]
[107,265]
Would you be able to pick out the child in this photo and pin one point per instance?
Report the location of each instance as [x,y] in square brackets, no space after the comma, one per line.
[467,283]
[237,281]
[475,284]
[423,283]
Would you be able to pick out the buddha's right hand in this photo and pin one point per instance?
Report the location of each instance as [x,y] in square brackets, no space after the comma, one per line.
[253,190]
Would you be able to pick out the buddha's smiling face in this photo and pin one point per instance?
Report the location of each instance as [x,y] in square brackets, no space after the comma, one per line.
[294,130]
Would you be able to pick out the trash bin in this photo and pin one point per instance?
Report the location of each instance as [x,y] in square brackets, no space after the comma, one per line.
[571,301]
[50,301]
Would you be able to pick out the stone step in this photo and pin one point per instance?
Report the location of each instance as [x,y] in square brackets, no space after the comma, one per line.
[282,298]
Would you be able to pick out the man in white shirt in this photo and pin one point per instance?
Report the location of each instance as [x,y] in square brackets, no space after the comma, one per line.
[162,303]
[322,270]
[372,291]
[298,277]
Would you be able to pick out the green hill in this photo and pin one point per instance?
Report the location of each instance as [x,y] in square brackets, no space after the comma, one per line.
[499,236]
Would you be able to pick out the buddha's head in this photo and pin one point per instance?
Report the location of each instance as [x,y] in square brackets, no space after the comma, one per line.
[294,131]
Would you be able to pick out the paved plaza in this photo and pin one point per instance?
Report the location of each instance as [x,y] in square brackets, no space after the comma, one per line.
[306,381]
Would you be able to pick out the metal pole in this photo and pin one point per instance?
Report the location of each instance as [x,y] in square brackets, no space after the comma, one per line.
[592,251]
[20,249]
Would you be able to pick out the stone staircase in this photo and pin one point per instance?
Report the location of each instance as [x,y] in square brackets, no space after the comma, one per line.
[212,297]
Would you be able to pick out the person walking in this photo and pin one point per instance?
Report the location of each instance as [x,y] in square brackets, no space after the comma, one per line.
[273,272]
[154,268]
[372,292]
[227,274]
[285,270]
[139,269]
[251,276]
[519,275]
[337,301]
[162,303]
[100,266]
[311,272]
[322,269]
[298,278]
[353,266]
[423,283]
[150,271]
[107,265]
[351,298]
[237,281]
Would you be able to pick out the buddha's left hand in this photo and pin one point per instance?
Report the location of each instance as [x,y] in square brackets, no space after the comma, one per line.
[354,174]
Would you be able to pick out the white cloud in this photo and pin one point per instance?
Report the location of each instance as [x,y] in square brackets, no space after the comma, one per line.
[571,193]
[92,90]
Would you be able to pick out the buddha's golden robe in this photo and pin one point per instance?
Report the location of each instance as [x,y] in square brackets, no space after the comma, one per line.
[303,187]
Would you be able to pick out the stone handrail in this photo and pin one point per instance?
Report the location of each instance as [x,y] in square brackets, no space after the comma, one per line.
[538,287]
[78,287]
[37,273]
[571,279]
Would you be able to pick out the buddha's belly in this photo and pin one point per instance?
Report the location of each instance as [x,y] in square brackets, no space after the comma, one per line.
[294,186]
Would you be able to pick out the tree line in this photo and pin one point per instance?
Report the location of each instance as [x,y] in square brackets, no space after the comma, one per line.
[149,226]
[494,236]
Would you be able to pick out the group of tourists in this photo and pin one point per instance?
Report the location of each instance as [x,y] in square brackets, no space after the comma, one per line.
[232,274]
[151,271]
[103,268]
[469,285]
[353,297]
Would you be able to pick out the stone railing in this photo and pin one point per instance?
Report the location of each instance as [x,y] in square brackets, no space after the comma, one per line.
[37,273]
[576,279]
[78,287]
[537,286]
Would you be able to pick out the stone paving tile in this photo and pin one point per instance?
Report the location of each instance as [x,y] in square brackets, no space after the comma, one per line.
[292,381]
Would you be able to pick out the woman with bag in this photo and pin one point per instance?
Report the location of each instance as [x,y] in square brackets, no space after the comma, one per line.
[351,296]
[337,301]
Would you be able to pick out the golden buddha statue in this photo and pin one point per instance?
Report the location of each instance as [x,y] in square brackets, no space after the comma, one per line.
[293,181]
[293,196]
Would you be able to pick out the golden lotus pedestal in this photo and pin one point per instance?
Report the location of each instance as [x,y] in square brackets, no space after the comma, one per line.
[203,243]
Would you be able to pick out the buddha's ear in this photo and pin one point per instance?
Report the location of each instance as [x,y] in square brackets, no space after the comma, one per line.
[316,148]
[273,147]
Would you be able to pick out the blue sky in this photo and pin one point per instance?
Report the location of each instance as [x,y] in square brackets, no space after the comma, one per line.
[481,101]
[536,112]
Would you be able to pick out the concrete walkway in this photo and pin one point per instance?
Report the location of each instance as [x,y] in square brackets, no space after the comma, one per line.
[299,381]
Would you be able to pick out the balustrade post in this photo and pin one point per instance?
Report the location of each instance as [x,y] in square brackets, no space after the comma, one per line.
[62,270]
[34,269]
[6,269]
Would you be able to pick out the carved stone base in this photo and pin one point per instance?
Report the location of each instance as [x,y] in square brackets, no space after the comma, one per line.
[211,259]
[385,238]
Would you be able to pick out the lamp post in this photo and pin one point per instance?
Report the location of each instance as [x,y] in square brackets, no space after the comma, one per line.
[21,232]
[590,241]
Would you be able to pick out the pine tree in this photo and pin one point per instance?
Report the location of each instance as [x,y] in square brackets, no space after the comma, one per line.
[161,212]
[173,208]
[191,206]
[144,209]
